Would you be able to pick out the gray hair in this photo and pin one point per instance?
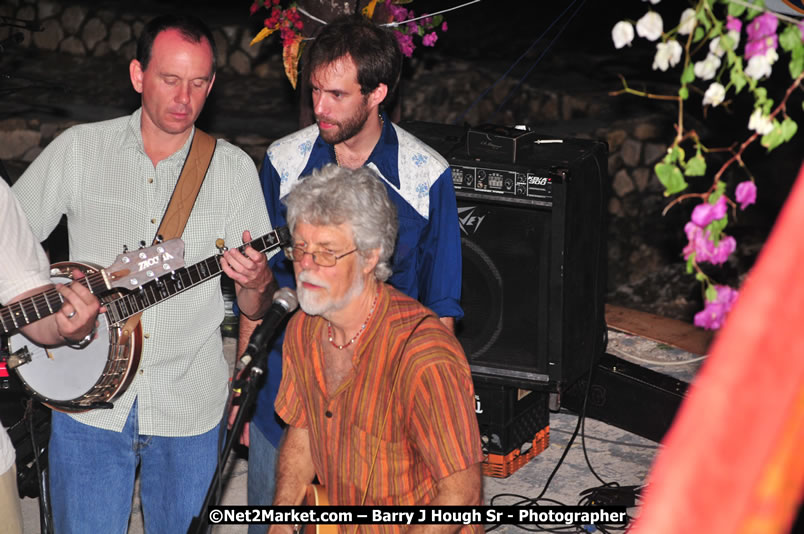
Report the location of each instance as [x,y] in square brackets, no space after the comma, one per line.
[335,195]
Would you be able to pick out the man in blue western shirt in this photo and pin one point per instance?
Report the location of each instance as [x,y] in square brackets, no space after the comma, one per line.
[353,66]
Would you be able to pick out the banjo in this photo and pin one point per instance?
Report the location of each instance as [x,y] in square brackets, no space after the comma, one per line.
[54,369]
[68,379]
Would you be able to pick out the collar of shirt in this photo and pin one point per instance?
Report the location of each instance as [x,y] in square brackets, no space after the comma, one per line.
[384,155]
[132,139]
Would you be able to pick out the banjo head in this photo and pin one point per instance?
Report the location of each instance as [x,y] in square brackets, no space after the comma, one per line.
[72,380]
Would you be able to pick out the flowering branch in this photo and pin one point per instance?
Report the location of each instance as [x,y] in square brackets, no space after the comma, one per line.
[718,37]
[405,26]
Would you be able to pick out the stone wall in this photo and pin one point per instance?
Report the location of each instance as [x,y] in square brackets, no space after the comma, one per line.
[99,29]
[641,244]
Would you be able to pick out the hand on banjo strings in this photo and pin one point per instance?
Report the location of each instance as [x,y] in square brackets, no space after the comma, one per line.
[76,321]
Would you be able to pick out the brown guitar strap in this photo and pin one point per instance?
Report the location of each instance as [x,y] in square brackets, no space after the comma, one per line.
[182,200]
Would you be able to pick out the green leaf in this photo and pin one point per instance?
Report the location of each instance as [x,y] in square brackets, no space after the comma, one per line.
[761,94]
[688,75]
[690,263]
[735,10]
[774,138]
[698,276]
[675,154]
[671,178]
[684,93]
[726,42]
[789,38]
[796,67]
[711,292]
[752,13]
[720,188]
[698,35]
[767,105]
[703,19]
[789,128]
[715,229]
[738,78]
[696,166]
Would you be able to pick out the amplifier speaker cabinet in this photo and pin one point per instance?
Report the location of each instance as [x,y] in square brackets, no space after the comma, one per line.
[629,396]
[534,256]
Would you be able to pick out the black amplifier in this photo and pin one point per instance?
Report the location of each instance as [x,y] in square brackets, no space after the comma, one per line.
[533,242]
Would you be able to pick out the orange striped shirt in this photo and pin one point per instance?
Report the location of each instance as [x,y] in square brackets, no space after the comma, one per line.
[431,429]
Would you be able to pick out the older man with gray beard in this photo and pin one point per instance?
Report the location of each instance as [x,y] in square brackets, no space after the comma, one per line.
[376,391]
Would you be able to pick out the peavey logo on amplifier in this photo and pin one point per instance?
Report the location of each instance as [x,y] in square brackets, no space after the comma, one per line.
[468,221]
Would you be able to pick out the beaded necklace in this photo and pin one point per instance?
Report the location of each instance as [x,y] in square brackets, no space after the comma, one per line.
[360,331]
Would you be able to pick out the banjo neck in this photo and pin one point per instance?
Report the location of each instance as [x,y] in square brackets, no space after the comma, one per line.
[31,309]
[129,271]
[180,280]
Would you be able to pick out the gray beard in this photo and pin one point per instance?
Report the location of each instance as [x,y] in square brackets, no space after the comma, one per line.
[323,306]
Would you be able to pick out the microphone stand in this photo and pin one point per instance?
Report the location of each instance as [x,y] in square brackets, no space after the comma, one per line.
[257,369]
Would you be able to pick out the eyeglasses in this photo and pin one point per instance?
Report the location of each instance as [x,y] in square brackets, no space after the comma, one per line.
[321,258]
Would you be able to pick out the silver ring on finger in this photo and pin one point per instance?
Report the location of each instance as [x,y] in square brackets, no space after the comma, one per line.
[71,314]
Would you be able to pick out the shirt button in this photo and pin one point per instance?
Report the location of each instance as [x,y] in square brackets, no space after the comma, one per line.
[146,336]
[142,371]
[153,221]
[150,180]
[328,414]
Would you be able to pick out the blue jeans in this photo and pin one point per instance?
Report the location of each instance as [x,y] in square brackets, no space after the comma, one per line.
[92,476]
[262,457]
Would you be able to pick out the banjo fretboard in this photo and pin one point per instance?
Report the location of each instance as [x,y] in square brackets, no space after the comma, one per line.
[180,280]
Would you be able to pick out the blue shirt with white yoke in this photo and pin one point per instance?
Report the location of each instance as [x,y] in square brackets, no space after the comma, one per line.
[427,258]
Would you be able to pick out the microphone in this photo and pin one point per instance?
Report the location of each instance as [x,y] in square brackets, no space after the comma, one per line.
[285,302]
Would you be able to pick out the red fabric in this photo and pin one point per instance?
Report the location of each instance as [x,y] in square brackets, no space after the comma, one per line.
[731,461]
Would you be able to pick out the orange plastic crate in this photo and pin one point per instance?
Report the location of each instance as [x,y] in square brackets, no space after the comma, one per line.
[501,466]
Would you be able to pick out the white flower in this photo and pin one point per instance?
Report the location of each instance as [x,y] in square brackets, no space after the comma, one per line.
[687,22]
[735,38]
[650,26]
[654,2]
[714,95]
[760,123]
[716,48]
[760,66]
[667,55]
[707,68]
[622,34]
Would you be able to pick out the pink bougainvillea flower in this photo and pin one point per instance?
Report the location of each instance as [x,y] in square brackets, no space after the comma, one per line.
[405,43]
[705,213]
[762,26]
[714,313]
[444,26]
[746,194]
[760,46]
[734,24]
[761,35]
[705,250]
[429,39]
